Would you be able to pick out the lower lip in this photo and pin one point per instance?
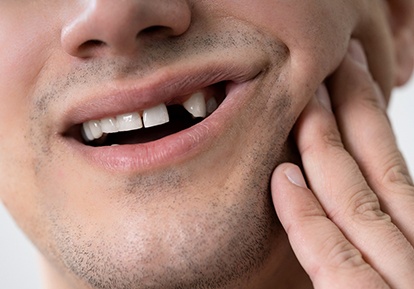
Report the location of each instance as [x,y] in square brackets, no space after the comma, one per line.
[172,149]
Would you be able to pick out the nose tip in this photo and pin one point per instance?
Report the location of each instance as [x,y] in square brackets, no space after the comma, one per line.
[116,27]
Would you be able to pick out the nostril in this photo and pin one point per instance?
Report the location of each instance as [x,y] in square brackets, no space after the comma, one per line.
[89,48]
[155,30]
[91,44]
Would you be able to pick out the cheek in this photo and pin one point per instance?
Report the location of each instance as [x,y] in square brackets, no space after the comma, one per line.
[29,34]
[23,54]
[316,34]
[300,24]
[25,40]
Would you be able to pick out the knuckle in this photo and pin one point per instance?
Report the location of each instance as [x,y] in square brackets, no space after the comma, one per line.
[370,100]
[346,265]
[324,140]
[338,254]
[331,138]
[396,184]
[397,173]
[363,206]
[369,211]
[365,203]
[342,254]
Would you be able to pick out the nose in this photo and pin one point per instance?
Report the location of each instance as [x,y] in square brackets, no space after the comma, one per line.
[116,27]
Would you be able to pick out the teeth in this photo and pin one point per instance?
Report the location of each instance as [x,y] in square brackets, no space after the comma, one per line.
[156,116]
[196,105]
[129,121]
[86,132]
[109,125]
[211,105]
[95,128]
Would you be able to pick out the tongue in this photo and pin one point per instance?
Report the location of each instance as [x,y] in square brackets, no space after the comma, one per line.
[180,119]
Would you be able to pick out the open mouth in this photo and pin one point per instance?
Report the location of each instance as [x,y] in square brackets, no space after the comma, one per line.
[151,124]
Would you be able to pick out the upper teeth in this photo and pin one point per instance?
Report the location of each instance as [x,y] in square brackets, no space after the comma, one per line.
[196,105]
[158,115]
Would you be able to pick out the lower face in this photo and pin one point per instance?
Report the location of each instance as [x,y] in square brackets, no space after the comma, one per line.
[203,219]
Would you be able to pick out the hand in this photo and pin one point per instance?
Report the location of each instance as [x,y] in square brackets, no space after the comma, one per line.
[354,226]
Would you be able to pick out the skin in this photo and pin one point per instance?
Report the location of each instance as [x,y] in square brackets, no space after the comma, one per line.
[207,221]
[355,230]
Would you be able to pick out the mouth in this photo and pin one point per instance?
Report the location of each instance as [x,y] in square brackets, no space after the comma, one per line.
[153,123]
[159,135]
[158,122]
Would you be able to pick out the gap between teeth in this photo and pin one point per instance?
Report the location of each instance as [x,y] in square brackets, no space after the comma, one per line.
[158,115]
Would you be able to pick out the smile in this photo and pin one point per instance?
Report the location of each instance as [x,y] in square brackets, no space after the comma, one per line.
[167,118]
[154,122]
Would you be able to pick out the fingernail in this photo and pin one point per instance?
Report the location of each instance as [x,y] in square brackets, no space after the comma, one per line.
[294,175]
[357,52]
[323,97]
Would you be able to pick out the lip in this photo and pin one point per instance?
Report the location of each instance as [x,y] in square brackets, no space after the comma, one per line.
[166,86]
[148,92]
[171,149]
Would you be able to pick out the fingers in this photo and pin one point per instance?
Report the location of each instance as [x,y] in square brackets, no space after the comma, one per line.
[340,187]
[367,135]
[345,196]
[321,248]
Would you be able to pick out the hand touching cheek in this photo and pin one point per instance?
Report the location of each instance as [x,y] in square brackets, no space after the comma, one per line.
[351,226]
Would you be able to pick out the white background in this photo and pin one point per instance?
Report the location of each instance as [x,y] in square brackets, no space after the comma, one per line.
[18,258]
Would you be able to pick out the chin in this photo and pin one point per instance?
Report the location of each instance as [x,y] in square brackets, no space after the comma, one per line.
[194,237]
[204,244]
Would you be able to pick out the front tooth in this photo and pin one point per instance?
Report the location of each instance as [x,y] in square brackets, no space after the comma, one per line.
[196,105]
[109,125]
[156,115]
[129,121]
[95,128]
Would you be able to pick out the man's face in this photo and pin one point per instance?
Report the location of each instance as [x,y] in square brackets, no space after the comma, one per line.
[183,204]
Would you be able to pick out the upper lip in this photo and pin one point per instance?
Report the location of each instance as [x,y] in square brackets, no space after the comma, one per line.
[163,86]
